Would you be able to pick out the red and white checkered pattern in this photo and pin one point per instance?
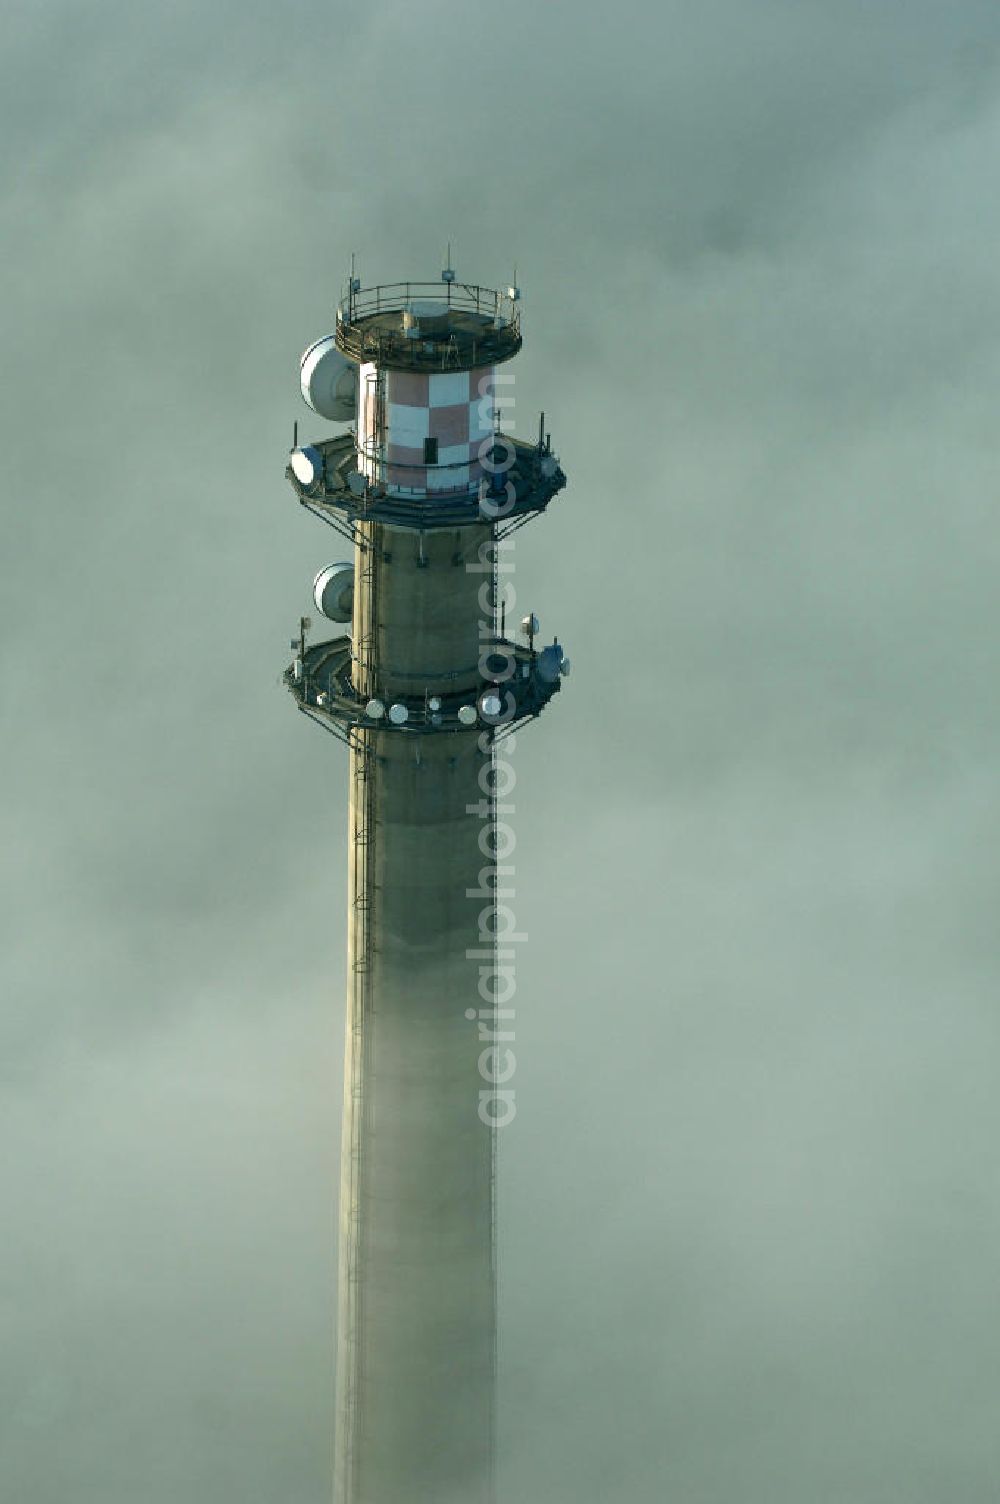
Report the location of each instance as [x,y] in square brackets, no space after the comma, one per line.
[454,407]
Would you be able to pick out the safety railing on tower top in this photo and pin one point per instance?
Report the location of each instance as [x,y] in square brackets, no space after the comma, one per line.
[502,308]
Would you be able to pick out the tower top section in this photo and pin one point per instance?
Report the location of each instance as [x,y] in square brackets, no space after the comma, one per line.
[429,326]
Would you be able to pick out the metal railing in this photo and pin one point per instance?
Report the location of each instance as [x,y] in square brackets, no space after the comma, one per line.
[478,326]
[396,297]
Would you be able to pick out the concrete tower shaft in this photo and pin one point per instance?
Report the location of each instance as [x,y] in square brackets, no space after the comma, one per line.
[416,1369]
[419,692]
[421,601]
[416,1352]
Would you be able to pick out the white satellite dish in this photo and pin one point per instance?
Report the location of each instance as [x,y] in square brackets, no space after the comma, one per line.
[434,703]
[491,705]
[329,381]
[375,710]
[307,466]
[467,715]
[333,591]
[398,714]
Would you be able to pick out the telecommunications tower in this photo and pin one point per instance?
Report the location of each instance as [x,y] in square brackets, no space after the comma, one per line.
[426,488]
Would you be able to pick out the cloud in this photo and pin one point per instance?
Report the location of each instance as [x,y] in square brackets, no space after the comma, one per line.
[749,1230]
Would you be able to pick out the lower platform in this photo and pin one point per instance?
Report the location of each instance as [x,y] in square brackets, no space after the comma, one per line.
[523,681]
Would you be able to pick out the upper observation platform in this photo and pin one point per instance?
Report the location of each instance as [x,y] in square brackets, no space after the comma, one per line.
[429,326]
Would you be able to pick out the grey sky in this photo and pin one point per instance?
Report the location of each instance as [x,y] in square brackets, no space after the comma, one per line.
[751,1223]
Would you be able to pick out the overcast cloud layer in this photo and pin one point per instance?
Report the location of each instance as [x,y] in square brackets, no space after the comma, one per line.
[751,1220]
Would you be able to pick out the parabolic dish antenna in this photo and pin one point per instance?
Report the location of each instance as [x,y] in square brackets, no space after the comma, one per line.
[307,466]
[467,715]
[333,591]
[329,381]
[375,710]
[398,714]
